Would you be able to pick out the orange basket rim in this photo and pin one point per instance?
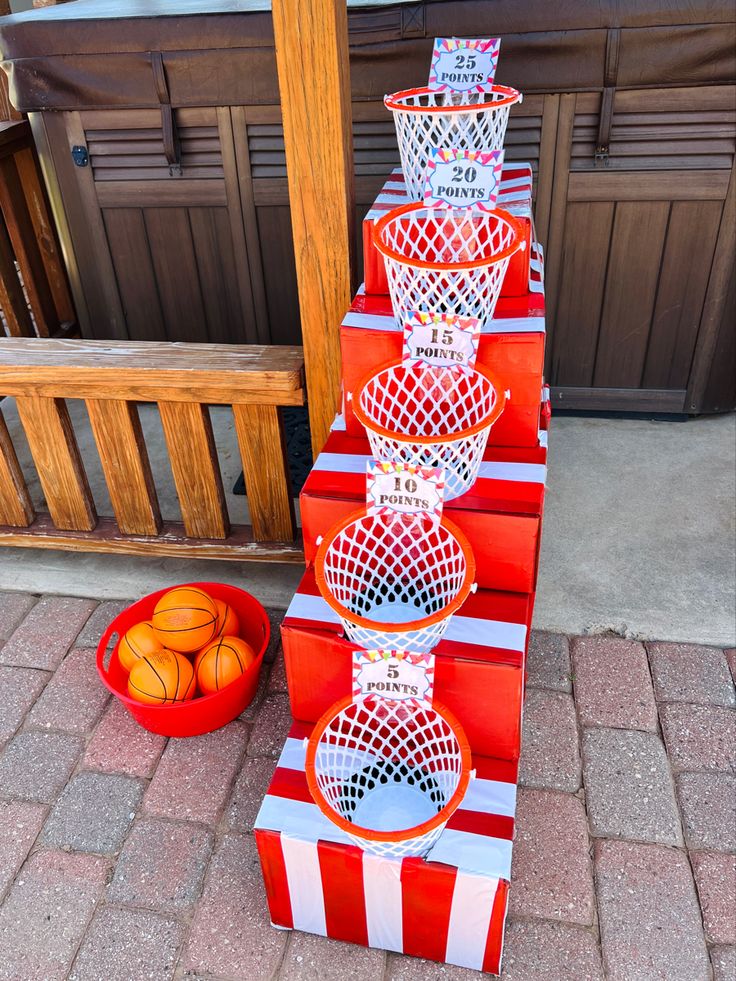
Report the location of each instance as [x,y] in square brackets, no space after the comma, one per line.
[362,416]
[393,103]
[410,625]
[419,830]
[386,250]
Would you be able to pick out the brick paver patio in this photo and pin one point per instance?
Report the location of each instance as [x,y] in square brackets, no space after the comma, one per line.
[124,856]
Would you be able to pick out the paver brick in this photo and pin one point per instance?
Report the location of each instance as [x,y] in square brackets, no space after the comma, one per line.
[311,958]
[549,746]
[628,787]
[715,877]
[277,677]
[613,686]
[708,805]
[13,607]
[120,745]
[731,660]
[699,737]
[272,726]
[161,866]
[552,876]
[193,779]
[231,934]
[724,963]
[94,813]
[400,968]
[250,712]
[75,697]
[248,793]
[98,623]
[649,916]
[36,765]
[548,661]
[128,945]
[20,824]
[540,951]
[47,633]
[689,673]
[19,689]
[46,912]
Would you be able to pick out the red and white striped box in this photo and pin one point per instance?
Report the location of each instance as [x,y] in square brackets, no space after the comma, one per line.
[511,346]
[479,663]
[515,196]
[501,514]
[449,907]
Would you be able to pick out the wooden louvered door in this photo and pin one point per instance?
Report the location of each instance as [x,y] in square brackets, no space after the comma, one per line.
[637,263]
[162,253]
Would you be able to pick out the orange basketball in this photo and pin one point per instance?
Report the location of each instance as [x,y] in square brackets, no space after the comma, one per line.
[136,642]
[162,677]
[185,619]
[221,663]
[228,624]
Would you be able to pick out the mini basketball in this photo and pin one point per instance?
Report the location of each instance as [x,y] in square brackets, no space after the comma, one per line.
[161,678]
[228,624]
[136,642]
[221,663]
[185,619]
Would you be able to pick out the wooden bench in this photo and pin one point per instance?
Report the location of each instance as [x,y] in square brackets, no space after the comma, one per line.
[183,379]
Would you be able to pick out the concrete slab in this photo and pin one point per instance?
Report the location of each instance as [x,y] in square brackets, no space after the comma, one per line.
[638,538]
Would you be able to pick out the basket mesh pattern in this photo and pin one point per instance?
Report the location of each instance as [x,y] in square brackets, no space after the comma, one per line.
[481,126]
[422,400]
[452,236]
[388,561]
[378,742]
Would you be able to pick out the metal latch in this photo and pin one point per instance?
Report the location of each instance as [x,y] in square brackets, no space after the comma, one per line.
[80,156]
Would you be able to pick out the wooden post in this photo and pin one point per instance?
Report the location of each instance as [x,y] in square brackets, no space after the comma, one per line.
[311,39]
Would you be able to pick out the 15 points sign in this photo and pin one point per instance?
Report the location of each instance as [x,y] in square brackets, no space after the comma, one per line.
[463,64]
[441,339]
[403,488]
[463,178]
[398,675]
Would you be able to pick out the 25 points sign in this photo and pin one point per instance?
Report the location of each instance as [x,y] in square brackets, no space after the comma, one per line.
[464,65]
[403,488]
[441,339]
[397,675]
[463,179]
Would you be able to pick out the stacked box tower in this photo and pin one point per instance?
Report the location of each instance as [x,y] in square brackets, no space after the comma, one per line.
[449,906]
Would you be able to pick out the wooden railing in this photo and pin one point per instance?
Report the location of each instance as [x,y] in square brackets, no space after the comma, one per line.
[184,380]
[34,294]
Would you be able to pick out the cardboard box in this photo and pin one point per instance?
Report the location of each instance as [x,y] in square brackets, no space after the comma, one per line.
[449,907]
[512,346]
[501,514]
[515,196]
[479,668]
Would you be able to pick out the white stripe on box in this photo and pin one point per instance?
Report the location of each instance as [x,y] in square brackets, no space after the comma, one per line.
[306,896]
[383,902]
[338,424]
[544,438]
[293,755]
[299,819]
[499,325]
[473,853]
[470,919]
[461,630]
[528,473]
[490,797]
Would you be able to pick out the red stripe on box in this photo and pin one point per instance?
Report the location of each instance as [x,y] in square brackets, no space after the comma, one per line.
[274,877]
[489,768]
[341,867]
[482,823]
[426,889]
[291,784]
[494,943]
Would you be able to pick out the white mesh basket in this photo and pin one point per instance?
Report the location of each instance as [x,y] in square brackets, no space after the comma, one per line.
[432,417]
[388,773]
[446,260]
[447,120]
[395,579]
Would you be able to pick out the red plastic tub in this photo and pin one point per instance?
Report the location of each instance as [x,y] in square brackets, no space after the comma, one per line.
[207,712]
